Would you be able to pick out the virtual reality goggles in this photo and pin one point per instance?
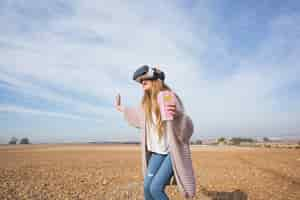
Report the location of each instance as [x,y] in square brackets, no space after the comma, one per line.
[148,73]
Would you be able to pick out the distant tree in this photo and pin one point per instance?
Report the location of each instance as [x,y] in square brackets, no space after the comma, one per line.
[13,140]
[198,141]
[235,141]
[221,140]
[250,140]
[266,139]
[238,140]
[24,141]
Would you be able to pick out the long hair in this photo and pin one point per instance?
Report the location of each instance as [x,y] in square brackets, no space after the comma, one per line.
[150,104]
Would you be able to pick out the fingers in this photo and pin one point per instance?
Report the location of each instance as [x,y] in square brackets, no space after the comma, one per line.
[171,109]
[172,113]
[118,100]
[120,108]
[118,103]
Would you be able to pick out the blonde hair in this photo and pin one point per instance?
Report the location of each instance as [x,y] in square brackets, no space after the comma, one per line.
[150,104]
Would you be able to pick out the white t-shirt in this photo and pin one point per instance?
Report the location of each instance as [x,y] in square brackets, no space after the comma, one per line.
[153,142]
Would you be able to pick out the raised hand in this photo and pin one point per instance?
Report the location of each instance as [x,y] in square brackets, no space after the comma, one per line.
[118,105]
[171,108]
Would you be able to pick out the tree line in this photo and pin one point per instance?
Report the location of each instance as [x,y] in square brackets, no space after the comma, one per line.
[15,140]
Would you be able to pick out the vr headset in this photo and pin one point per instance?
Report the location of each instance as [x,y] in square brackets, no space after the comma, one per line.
[148,73]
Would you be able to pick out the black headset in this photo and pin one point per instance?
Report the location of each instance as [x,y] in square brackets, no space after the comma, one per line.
[150,72]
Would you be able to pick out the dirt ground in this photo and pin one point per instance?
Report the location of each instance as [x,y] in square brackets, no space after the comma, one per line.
[107,172]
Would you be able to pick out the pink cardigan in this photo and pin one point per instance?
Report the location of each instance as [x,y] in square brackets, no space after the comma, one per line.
[179,131]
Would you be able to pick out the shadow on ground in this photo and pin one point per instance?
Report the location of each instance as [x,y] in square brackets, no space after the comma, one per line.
[217,195]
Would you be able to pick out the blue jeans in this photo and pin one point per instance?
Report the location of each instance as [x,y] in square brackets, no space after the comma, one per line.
[159,172]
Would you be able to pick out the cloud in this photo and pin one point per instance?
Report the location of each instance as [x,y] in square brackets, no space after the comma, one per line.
[78,55]
[18,109]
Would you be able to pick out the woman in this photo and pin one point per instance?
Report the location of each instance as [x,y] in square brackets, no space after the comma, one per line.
[166,156]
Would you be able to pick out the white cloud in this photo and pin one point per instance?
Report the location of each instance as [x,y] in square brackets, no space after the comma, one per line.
[18,109]
[93,49]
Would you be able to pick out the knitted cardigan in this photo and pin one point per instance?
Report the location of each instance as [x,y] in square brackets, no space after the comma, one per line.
[179,130]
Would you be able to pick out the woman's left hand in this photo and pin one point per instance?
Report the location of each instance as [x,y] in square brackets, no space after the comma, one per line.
[171,108]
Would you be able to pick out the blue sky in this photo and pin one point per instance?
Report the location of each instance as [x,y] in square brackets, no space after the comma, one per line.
[234,64]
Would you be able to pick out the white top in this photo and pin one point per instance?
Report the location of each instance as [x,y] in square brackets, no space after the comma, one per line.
[153,142]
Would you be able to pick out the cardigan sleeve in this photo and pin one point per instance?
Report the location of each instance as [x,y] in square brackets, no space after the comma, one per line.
[187,129]
[182,125]
[133,116]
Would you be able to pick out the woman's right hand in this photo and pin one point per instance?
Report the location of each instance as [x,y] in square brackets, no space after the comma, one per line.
[118,105]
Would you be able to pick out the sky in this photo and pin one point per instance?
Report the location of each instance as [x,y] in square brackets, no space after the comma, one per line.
[233,63]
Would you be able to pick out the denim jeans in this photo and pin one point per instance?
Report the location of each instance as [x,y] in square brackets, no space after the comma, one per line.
[159,172]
